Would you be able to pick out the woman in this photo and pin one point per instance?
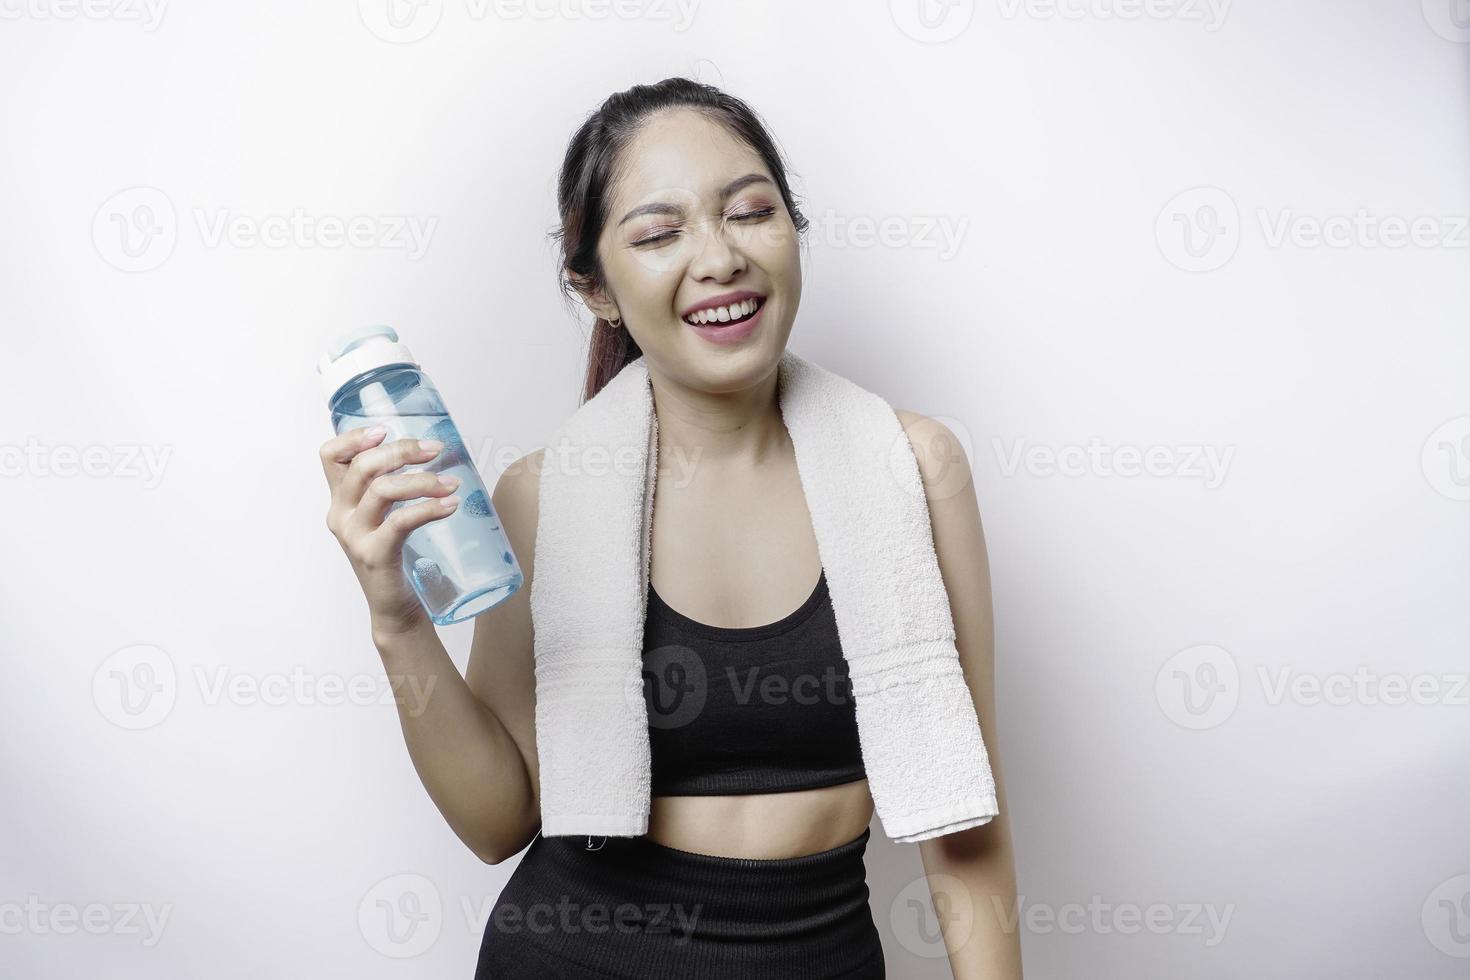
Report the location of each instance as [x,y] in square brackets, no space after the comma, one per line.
[680,232]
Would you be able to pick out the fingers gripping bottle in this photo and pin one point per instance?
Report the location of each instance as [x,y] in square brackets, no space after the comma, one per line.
[460,565]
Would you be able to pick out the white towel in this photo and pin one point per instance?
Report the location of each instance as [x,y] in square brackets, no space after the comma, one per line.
[927,766]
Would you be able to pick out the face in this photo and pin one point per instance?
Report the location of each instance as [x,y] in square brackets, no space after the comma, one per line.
[696,217]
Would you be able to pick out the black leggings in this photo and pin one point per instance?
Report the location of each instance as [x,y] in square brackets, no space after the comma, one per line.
[629,908]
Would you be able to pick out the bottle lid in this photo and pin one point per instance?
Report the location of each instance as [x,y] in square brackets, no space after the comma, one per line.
[358,351]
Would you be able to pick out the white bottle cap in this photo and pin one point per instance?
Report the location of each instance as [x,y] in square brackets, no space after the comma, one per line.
[357,351]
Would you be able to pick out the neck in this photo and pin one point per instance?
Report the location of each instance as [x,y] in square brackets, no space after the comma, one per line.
[722,429]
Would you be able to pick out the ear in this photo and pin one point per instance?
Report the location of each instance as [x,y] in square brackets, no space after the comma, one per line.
[595,300]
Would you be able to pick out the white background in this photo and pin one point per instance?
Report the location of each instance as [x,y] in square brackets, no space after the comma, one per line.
[1145,622]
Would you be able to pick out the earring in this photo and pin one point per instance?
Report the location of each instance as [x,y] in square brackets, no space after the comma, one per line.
[615,323]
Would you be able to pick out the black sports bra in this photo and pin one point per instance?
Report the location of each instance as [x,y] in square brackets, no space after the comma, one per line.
[755,709]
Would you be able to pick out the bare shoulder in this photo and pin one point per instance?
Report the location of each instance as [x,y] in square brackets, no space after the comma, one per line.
[943,465]
[959,535]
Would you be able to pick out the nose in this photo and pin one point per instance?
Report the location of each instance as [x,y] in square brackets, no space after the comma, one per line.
[714,257]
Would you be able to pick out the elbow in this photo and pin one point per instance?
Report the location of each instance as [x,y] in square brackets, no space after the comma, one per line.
[496,852]
[496,856]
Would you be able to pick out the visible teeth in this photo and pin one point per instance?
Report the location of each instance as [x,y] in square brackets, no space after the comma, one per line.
[723,314]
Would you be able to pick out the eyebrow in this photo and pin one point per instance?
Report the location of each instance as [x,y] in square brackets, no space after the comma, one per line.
[658,207]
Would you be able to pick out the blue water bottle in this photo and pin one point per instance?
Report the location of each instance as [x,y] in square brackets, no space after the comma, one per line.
[460,565]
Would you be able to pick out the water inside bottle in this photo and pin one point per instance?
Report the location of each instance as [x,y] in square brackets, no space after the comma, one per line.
[460,565]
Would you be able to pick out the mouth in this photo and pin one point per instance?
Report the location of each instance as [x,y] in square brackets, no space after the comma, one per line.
[724,316]
[744,319]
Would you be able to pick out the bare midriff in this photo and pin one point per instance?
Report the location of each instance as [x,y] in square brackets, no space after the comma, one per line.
[763,825]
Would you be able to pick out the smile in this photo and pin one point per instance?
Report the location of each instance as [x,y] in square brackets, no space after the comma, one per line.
[734,313]
[744,317]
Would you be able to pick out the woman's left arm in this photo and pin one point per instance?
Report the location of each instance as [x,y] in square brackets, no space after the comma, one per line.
[972,875]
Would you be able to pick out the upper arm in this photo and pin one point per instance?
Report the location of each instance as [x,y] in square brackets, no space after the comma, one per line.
[959,544]
[971,869]
[501,671]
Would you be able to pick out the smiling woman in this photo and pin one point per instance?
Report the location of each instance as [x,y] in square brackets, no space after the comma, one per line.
[680,233]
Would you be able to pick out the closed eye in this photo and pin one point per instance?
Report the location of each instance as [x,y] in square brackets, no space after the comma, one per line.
[745,216]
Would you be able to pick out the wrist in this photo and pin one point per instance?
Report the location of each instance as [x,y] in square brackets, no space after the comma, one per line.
[393,632]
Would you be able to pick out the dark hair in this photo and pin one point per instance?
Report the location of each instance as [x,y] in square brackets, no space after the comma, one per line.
[583,193]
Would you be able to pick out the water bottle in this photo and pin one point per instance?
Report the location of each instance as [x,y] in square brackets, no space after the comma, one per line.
[460,565]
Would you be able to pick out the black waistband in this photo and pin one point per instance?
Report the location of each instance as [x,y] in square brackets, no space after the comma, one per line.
[637,908]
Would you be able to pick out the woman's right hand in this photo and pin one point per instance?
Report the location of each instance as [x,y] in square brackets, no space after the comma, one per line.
[360,474]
